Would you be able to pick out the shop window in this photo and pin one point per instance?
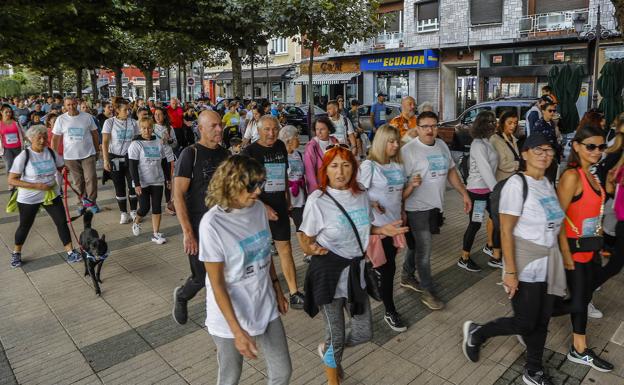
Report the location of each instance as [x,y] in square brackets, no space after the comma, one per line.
[279,45]
[502,59]
[394,84]
[427,16]
[524,59]
[486,12]
[548,6]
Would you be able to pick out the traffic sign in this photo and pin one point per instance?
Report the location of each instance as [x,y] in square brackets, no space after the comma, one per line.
[190,81]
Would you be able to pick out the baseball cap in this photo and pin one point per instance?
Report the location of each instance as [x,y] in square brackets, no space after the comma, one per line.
[535,140]
[381,94]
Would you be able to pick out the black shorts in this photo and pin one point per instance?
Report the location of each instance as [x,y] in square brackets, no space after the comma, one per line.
[297,216]
[280,229]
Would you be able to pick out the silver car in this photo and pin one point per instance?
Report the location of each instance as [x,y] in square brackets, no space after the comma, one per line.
[392,110]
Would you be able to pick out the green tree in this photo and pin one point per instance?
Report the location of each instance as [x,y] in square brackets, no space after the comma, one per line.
[321,25]
[619,14]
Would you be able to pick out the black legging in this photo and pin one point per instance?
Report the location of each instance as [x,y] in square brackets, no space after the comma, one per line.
[150,196]
[121,179]
[28,212]
[473,227]
[387,271]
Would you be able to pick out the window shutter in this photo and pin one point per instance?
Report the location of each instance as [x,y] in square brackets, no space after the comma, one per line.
[546,6]
[486,11]
[428,10]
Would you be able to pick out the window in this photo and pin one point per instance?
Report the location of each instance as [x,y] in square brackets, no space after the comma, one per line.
[470,115]
[546,6]
[279,45]
[392,21]
[486,12]
[426,16]
[524,59]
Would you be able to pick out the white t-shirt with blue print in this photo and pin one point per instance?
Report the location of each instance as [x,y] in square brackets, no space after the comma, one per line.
[241,240]
[384,184]
[41,168]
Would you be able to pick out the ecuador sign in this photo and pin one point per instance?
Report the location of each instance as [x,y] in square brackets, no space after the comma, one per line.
[400,60]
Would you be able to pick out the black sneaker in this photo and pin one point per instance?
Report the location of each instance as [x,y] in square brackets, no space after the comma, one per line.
[488,250]
[296,301]
[495,263]
[469,265]
[410,282]
[537,378]
[16,259]
[471,350]
[179,311]
[394,321]
[589,358]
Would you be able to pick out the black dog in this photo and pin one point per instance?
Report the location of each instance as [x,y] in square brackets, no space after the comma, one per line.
[94,251]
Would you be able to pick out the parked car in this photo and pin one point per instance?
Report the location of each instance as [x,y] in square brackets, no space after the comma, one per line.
[392,110]
[456,133]
[297,115]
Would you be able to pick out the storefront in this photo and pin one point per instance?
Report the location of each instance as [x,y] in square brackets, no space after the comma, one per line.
[400,74]
[459,81]
[330,79]
[277,79]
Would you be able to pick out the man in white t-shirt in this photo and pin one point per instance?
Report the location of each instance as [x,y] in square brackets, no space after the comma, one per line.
[79,134]
[428,166]
[344,131]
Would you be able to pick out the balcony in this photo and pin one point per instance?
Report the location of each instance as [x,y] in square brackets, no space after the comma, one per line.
[550,23]
[428,25]
[388,40]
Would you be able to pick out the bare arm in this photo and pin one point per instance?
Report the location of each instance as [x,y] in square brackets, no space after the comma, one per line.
[181,186]
[510,279]
[568,184]
[96,140]
[456,182]
[310,247]
[56,141]
[14,180]
[105,156]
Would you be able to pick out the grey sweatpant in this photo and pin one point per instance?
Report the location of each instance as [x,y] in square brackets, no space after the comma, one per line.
[336,336]
[274,347]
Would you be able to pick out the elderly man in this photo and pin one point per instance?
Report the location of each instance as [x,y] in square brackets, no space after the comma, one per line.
[79,134]
[193,173]
[271,152]
[406,121]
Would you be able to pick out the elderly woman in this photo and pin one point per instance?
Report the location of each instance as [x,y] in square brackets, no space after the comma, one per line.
[296,180]
[315,149]
[34,174]
[234,244]
[533,273]
[336,228]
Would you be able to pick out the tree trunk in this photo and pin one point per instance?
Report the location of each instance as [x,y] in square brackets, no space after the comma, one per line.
[179,83]
[50,85]
[619,14]
[95,93]
[118,81]
[60,83]
[237,73]
[310,93]
[185,92]
[79,82]
[253,77]
[149,82]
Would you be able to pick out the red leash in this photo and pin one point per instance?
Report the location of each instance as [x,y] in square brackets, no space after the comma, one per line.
[69,218]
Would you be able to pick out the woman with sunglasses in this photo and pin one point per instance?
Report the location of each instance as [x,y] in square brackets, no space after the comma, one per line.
[547,127]
[315,149]
[583,199]
[336,227]
[533,273]
[243,295]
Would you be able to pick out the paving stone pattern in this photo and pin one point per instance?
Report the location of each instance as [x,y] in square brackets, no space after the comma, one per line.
[54,330]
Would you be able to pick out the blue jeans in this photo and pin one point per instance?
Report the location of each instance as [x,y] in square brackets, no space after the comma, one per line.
[420,256]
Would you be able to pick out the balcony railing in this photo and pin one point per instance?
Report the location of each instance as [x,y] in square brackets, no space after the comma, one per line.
[428,25]
[389,40]
[550,22]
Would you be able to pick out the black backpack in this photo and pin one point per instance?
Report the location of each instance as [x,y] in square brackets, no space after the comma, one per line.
[464,166]
[495,196]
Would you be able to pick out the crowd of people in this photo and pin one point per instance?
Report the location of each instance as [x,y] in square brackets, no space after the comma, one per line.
[235,178]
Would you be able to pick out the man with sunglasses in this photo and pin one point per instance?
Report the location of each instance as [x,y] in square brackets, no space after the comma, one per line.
[429,166]
[547,127]
[193,172]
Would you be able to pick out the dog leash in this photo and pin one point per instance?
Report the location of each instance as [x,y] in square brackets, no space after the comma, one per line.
[69,218]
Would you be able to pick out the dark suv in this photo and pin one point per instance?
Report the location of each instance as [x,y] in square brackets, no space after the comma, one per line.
[456,133]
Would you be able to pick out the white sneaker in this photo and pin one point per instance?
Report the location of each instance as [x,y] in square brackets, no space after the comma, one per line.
[592,312]
[136,229]
[133,214]
[125,218]
[158,238]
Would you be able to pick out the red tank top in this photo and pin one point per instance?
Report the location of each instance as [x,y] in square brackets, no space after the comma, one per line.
[584,213]
[11,137]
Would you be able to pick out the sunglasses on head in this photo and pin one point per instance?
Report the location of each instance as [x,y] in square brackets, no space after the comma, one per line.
[337,145]
[592,147]
[253,186]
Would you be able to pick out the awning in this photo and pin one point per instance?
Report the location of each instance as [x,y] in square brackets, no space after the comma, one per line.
[260,75]
[339,78]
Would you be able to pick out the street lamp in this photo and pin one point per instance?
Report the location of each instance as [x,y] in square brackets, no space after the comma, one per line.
[596,33]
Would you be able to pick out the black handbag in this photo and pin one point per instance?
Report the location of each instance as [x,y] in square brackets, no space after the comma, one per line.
[371,275]
[585,244]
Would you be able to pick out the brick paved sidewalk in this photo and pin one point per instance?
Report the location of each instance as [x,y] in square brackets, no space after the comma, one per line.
[54,330]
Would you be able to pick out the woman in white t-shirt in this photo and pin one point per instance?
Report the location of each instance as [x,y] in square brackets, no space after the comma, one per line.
[117,134]
[164,132]
[251,129]
[243,295]
[315,149]
[533,273]
[296,176]
[34,174]
[383,177]
[336,226]
[149,167]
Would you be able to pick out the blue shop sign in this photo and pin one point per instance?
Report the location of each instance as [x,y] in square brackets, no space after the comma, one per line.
[401,61]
